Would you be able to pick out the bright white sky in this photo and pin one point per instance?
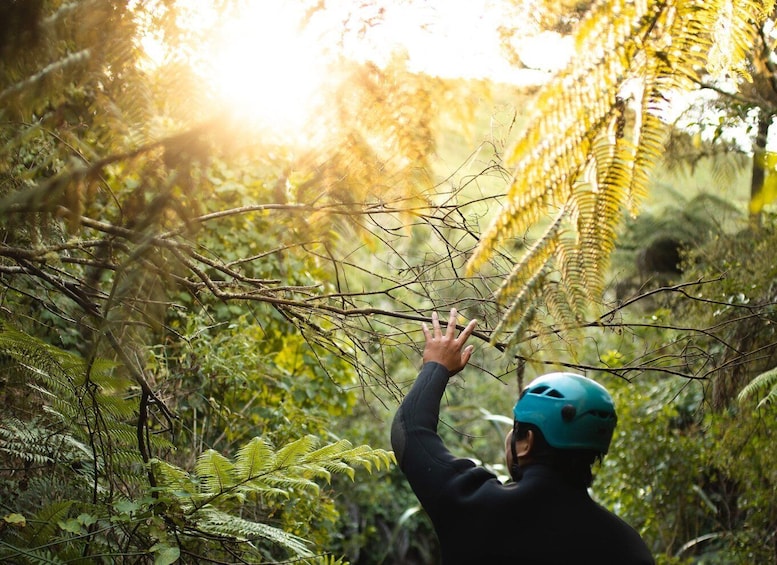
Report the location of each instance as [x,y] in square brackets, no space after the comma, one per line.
[266,68]
[460,38]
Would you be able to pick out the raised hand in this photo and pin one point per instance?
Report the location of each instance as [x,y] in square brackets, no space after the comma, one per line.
[447,349]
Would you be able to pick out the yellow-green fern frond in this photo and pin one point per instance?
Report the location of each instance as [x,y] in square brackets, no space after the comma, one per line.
[174,478]
[558,306]
[597,133]
[216,471]
[293,453]
[572,267]
[212,497]
[520,312]
[254,458]
[533,261]
[342,457]
[570,114]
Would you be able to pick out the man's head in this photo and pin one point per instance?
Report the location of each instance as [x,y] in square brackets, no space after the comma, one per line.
[561,416]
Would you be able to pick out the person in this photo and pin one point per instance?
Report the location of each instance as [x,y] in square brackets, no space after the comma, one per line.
[545,515]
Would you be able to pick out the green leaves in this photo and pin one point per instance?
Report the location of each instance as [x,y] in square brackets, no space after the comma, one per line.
[260,470]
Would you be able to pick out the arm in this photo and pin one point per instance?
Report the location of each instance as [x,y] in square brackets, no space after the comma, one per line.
[421,454]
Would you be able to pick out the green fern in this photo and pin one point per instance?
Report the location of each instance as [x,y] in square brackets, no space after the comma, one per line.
[764,384]
[259,469]
[43,526]
[79,396]
[216,472]
[259,472]
[215,522]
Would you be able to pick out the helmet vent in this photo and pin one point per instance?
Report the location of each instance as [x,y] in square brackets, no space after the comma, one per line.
[543,390]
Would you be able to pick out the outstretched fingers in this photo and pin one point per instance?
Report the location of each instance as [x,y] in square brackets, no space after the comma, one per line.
[448,348]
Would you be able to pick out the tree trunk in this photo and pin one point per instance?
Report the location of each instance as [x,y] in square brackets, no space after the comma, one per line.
[759,168]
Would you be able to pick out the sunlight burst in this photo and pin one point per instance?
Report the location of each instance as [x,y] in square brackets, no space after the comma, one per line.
[267,69]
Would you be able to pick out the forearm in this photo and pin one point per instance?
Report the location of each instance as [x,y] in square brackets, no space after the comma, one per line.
[414,430]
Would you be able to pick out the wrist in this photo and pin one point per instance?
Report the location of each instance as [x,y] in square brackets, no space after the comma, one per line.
[438,367]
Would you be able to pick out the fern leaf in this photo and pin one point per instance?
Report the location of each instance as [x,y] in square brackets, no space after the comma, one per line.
[763,383]
[217,471]
[43,526]
[572,267]
[557,305]
[367,457]
[578,129]
[282,482]
[294,452]
[533,261]
[522,310]
[254,458]
[216,522]
[331,459]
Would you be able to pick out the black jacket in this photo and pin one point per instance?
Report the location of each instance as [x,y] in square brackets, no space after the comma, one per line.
[539,520]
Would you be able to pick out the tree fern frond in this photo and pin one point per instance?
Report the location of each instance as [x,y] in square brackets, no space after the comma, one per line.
[126,463]
[627,52]
[518,324]
[174,478]
[763,383]
[527,276]
[217,472]
[549,157]
[43,526]
[572,267]
[283,485]
[558,306]
[533,260]
[215,522]
[522,309]
[254,458]
[342,457]
[39,359]
[293,453]
[28,441]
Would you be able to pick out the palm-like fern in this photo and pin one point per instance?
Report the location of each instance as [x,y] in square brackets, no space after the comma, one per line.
[764,384]
[260,473]
[597,132]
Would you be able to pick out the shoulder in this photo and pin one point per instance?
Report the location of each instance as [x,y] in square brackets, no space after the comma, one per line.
[624,540]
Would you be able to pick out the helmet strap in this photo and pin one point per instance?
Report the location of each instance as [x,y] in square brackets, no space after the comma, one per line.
[515,470]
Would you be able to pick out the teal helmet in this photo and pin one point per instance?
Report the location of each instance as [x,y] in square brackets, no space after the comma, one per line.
[571,411]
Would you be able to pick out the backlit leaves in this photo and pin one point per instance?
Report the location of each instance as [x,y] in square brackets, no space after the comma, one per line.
[596,133]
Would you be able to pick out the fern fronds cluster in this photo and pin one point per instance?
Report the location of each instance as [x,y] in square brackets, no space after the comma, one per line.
[259,475]
[597,131]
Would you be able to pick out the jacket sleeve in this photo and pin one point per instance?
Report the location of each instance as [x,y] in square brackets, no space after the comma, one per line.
[429,467]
